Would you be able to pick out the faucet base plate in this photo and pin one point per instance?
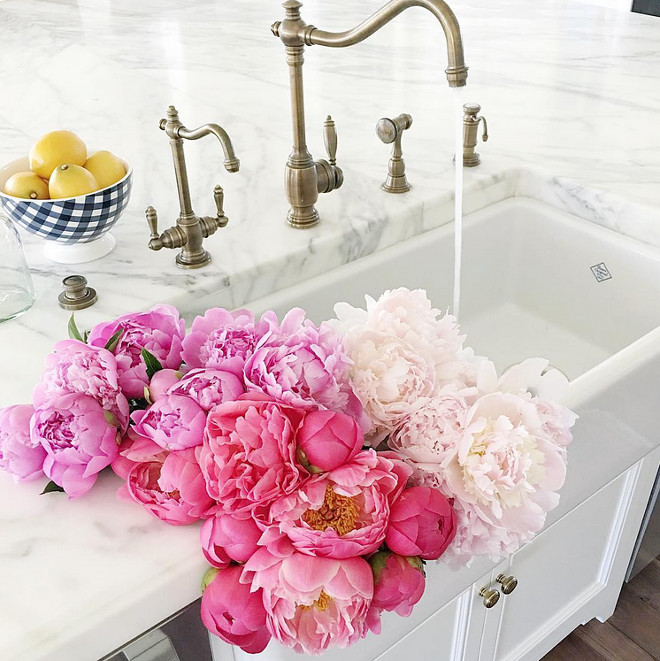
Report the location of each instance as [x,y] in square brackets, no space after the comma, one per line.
[200,259]
[302,217]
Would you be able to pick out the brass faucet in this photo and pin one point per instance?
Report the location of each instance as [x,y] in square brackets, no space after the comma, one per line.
[471,121]
[190,230]
[304,177]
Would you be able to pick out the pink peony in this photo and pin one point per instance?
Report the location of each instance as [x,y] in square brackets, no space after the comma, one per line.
[160,331]
[328,440]
[312,603]
[233,612]
[226,537]
[20,455]
[161,382]
[399,582]
[223,339]
[174,422]
[209,387]
[249,453]
[78,438]
[75,367]
[421,523]
[343,513]
[304,366]
[430,434]
[171,487]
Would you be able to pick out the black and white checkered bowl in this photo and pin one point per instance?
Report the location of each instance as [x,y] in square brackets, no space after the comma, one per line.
[68,220]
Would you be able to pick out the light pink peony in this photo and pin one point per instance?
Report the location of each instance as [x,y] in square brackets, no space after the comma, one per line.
[161,382]
[431,433]
[399,582]
[75,367]
[249,453]
[209,387]
[160,331]
[20,455]
[327,440]
[226,537]
[174,422]
[343,513]
[422,523]
[312,603]
[304,366]
[233,612]
[171,487]
[223,339]
[78,439]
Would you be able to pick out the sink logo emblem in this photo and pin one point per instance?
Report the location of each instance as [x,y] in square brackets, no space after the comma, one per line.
[601,272]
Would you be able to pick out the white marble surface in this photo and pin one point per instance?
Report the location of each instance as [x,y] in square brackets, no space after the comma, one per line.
[570,89]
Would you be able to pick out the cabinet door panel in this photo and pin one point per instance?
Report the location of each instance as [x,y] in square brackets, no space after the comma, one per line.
[562,570]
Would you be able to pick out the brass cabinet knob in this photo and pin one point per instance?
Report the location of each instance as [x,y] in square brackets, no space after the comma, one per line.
[508,583]
[491,596]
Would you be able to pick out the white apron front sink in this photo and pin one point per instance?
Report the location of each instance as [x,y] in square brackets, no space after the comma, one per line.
[536,282]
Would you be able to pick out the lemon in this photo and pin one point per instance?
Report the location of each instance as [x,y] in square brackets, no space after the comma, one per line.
[106,168]
[70,180]
[27,185]
[56,148]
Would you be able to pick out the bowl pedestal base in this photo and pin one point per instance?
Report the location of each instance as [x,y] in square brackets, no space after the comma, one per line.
[79,253]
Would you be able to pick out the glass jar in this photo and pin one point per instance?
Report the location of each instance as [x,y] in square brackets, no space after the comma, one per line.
[16,288]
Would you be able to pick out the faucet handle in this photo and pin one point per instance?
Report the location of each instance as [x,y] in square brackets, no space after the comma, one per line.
[219,197]
[330,139]
[152,221]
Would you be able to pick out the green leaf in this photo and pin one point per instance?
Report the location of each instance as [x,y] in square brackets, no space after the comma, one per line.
[111,419]
[85,336]
[112,343]
[152,363]
[74,333]
[51,486]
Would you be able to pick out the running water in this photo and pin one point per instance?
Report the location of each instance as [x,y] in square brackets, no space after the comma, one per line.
[458,198]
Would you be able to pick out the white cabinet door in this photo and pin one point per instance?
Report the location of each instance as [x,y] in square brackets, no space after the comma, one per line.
[562,572]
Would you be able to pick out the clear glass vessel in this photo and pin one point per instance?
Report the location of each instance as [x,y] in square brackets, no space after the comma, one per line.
[16,288]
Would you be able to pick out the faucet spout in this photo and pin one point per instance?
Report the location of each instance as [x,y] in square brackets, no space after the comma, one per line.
[232,164]
[456,70]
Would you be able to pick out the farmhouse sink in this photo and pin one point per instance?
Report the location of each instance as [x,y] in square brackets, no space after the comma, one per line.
[536,282]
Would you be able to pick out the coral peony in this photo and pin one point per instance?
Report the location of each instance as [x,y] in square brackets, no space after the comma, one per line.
[209,387]
[78,439]
[75,367]
[343,513]
[223,339]
[399,582]
[328,440]
[20,454]
[233,612]
[171,487]
[312,603]
[160,331]
[174,422]
[304,366]
[249,452]
[226,537]
[421,523]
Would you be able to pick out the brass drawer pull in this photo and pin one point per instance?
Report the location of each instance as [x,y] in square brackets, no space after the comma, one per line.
[508,583]
[491,596]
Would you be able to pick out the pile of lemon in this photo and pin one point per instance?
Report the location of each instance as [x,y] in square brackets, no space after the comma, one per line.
[59,167]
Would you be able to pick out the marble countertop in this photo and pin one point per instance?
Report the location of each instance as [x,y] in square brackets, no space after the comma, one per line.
[573,92]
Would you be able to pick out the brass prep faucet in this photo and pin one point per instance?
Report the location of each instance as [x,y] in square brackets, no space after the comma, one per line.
[304,177]
[190,230]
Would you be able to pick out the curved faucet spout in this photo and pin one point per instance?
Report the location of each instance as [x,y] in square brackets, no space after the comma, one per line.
[456,70]
[232,164]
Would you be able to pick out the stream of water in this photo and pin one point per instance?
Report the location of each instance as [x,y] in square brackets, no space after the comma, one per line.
[458,93]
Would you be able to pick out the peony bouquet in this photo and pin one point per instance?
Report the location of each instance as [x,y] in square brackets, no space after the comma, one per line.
[327,463]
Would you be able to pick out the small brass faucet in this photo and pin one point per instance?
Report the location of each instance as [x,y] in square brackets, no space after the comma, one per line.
[190,230]
[304,177]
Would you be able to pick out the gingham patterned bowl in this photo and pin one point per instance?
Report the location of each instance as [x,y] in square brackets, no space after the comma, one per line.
[69,220]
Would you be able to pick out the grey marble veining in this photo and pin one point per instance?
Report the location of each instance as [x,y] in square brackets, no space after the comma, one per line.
[572,96]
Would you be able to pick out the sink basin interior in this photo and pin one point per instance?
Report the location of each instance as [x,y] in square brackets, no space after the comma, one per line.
[528,286]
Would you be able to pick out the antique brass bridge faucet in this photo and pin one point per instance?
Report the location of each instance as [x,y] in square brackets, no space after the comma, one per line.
[306,178]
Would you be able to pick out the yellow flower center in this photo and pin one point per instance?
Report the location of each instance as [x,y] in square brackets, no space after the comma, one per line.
[338,512]
[321,604]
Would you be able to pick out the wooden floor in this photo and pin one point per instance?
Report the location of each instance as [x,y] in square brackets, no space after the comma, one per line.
[631,634]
